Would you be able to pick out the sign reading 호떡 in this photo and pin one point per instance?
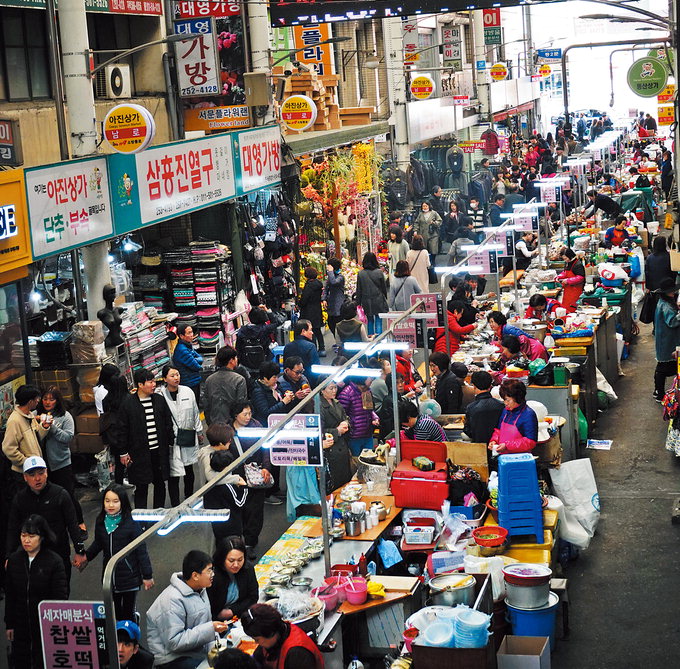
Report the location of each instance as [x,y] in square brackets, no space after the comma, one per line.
[198,72]
[217,118]
[73,634]
[422,87]
[259,154]
[647,77]
[129,128]
[298,451]
[298,112]
[498,72]
[69,205]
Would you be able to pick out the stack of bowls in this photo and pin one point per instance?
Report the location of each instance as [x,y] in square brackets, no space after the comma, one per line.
[471,629]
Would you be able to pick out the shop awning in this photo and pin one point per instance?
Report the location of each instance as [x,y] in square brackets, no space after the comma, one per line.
[317,140]
[501,116]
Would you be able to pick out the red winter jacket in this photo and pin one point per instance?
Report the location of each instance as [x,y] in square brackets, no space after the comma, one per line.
[456,334]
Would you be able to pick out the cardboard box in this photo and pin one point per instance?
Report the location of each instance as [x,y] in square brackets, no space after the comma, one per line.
[425,657]
[524,652]
[88,443]
[88,421]
[467,454]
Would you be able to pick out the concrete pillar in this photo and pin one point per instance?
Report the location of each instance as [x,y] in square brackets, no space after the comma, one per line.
[394,61]
[481,76]
[258,35]
[83,129]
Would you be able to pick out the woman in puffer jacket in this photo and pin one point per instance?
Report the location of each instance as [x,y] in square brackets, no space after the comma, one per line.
[357,401]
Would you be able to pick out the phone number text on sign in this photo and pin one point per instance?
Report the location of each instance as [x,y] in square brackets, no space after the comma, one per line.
[68,205]
[260,153]
[183,177]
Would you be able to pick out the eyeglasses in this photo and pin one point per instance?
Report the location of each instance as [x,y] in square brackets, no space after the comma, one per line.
[297,372]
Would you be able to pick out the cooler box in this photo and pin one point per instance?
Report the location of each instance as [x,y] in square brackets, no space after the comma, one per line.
[413,489]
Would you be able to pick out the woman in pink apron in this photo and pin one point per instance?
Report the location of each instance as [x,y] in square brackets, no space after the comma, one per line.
[517,430]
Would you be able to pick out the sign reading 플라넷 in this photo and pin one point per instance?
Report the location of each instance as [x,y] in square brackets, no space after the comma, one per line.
[647,77]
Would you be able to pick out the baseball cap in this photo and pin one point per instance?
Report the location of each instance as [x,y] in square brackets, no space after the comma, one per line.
[34,462]
[130,628]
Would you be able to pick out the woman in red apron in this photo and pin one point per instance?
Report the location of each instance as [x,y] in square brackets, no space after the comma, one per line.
[517,430]
[572,279]
[281,645]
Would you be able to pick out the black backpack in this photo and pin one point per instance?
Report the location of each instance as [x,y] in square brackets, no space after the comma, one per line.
[250,351]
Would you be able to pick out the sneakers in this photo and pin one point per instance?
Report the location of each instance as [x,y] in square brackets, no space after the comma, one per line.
[657,397]
[273,500]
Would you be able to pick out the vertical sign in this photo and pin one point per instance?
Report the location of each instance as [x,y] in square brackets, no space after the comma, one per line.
[73,634]
[492,25]
[453,56]
[69,205]
[410,35]
[433,305]
[316,56]
[260,158]
[198,70]
[10,143]
[300,451]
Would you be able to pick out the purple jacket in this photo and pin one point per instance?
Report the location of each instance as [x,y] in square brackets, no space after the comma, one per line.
[360,419]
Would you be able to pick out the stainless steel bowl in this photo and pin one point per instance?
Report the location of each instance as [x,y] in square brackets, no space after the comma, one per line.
[452,589]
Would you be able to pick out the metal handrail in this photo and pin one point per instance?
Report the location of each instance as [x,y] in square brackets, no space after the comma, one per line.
[174,512]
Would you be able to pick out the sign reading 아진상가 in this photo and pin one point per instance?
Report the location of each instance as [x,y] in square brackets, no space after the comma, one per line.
[69,205]
[259,154]
[298,451]
[498,72]
[198,71]
[298,112]
[129,128]
[422,87]
[73,634]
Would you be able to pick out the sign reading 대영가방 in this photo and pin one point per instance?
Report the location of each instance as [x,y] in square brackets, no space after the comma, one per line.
[170,180]
[68,205]
[259,158]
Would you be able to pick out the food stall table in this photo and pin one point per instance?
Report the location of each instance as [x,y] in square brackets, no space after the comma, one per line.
[559,401]
[606,348]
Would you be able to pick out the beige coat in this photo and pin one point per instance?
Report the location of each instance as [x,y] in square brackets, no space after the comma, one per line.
[21,440]
[419,261]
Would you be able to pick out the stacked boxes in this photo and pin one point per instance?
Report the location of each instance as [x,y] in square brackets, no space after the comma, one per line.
[87,429]
[61,378]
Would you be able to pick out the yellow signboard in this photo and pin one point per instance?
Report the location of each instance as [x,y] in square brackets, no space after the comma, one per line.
[422,87]
[666,115]
[298,112]
[15,239]
[129,128]
[498,72]
[217,118]
[667,94]
[545,70]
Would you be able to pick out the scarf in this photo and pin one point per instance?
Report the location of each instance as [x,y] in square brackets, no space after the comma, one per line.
[111,522]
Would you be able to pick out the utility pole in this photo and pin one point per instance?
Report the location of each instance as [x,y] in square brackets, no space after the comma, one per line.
[83,126]
[396,85]
[481,76]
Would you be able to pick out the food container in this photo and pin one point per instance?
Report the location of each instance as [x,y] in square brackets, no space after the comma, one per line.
[338,583]
[538,331]
[301,583]
[452,589]
[279,578]
[409,636]
[271,591]
[328,595]
[527,585]
[489,535]
[357,590]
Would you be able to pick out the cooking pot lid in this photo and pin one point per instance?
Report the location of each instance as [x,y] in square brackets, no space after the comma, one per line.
[527,570]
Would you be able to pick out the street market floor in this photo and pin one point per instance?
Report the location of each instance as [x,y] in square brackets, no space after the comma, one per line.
[623,590]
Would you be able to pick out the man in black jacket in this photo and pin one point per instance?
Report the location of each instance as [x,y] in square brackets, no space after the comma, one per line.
[50,501]
[483,413]
[610,208]
[145,425]
[448,388]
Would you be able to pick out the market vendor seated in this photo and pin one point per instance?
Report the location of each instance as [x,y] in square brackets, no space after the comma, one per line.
[418,426]
[541,307]
[531,348]
[638,180]
[617,234]
[517,430]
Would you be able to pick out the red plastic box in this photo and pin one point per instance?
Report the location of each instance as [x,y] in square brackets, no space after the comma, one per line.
[414,489]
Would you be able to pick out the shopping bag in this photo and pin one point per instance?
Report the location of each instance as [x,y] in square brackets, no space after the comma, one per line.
[361,314]
[574,484]
[675,259]
[648,308]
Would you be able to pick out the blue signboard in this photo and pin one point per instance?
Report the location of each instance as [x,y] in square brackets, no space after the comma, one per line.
[549,54]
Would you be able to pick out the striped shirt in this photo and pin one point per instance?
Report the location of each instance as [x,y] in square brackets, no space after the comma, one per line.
[427,429]
[151,432]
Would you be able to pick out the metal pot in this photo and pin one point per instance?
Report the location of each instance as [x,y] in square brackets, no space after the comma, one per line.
[537,331]
[527,597]
[382,510]
[452,589]
[301,583]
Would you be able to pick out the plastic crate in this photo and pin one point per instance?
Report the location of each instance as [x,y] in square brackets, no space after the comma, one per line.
[420,531]
[612,283]
[419,494]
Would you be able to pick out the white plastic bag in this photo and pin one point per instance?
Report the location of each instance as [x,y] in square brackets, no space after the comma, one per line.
[574,484]
[611,271]
[604,385]
[488,565]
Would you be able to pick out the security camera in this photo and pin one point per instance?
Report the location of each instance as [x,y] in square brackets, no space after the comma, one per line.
[288,70]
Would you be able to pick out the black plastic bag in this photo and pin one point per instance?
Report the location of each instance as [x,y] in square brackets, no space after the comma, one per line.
[544,377]
[648,308]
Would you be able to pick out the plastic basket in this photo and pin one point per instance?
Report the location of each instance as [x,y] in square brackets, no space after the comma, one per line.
[418,534]
[612,283]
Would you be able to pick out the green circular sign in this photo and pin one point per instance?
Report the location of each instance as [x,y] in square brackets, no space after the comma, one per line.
[661,54]
[647,77]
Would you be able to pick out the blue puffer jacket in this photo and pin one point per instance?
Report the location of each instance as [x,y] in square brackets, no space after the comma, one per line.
[189,364]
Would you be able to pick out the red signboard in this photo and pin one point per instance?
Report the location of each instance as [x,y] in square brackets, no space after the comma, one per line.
[492,17]
[196,9]
[153,7]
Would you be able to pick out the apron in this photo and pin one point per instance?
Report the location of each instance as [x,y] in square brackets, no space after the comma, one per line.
[508,431]
[570,294]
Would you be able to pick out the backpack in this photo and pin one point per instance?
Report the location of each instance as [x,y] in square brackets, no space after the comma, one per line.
[250,351]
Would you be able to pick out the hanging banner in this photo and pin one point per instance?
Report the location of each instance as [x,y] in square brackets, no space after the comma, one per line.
[69,205]
[453,54]
[422,87]
[129,128]
[647,77]
[298,112]
[498,72]
[259,153]
[170,180]
[198,9]
[198,72]
[492,25]
[317,57]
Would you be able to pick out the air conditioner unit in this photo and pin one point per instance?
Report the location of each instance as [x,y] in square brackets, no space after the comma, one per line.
[118,81]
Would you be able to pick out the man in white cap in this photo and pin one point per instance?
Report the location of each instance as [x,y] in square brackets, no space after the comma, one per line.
[51,502]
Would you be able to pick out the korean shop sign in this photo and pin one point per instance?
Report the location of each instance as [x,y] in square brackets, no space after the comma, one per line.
[647,77]
[259,158]
[196,9]
[171,180]
[68,205]
[198,70]
[129,128]
[422,87]
[307,38]
[298,112]
[228,117]
[15,242]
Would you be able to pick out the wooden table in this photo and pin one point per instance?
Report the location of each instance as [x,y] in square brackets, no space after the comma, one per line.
[390,597]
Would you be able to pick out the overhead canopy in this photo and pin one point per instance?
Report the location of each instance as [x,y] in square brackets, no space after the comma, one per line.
[286,13]
[501,116]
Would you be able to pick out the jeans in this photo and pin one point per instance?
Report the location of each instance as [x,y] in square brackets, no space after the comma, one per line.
[181,663]
[661,373]
[374,325]
[357,444]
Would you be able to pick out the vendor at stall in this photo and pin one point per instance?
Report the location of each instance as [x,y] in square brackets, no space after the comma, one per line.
[541,307]
[517,430]
[525,249]
[638,180]
[573,278]
[418,426]
[601,202]
[457,331]
[406,367]
[617,234]
[531,348]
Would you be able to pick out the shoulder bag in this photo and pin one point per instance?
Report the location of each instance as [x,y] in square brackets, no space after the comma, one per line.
[253,471]
[185,438]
